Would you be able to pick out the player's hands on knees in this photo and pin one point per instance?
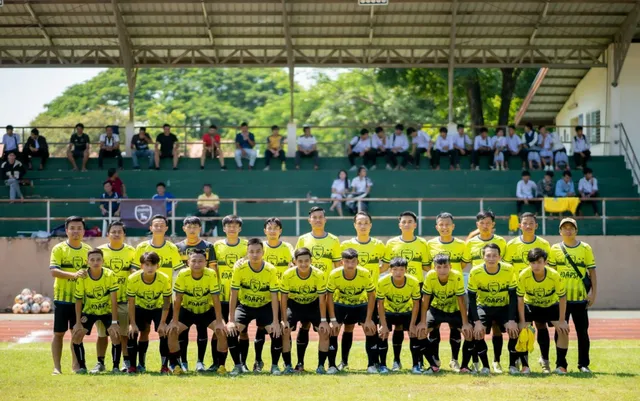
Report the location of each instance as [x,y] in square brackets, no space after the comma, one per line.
[218,327]
[563,327]
[383,332]
[369,327]
[276,330]
[324,328]
[335,328]
[133,330]
[420,330]
[162,329]
[114,333]
[77,333]
[467,330]
[232,329]
[522,325]
[414,330]
[286,329]
[479,331]
[173,326]
[512,329]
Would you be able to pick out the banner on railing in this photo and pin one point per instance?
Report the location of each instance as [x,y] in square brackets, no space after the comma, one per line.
[138,213]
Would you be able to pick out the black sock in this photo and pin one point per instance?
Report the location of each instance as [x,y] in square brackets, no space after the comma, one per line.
[383,348]
[429,349]
[183,340]
[214,348]
[258,343]
[524,358]
[322,357]
[414,346]
[78,349]
[513,354]
[455,339]
[333,350]
[347,341]
[164,351]
[497,342]
[481,350]
[173,358]
[561,357]
[371,345]
[243,345]
[286,358]
[468,350]
[101,359]
[143,346]
[202,348]
[132,351]
[396,340]
[434,340]
[234,349]
[545,343]
[276,349]
[302,341]
[221,358]
[116,352]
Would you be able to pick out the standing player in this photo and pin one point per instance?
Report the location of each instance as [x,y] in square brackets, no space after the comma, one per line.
[228,251]
[96,300]
[68,263]
[254,296]
[416,251]
[351,300]
[542,298]
[118,257]
[303,299]
[170,261]
[516,255]
[149,293]
[574,260]
[192,227]
[399,306]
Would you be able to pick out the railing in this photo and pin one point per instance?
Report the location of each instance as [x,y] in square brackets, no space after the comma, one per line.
[629,154]
[300,215]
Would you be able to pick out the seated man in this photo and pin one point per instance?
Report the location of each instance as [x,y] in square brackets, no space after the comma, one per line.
[581,149]
[79,146]
[565,187]
[307,147]
[140,149]
[514,148]
[499,144]
[546,148]
[116,183]
[420,143]
[481,147]
[245,141]
[109,194]
[588,188]
[364,146]
[461,144]
[526,192]
[12,172]
[562,160]
[274,149]
[211,146]
[381,148]
[443,147]
[208,206]
[36,146]
[167,147]
[398,146]
[109,147]
[10,143]
[162,194]
[546,188]
[530,140]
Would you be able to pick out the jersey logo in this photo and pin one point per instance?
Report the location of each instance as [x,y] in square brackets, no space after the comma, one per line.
[116,265]
[143,213]
[539,292]
[317,252]
[524,257]
[98,292]
[148,295]
[349,291]
[231,259]
[305,290]
[407,254]
[397,299]
[273,259]
[78,262]
[363,258]
[197,291]
[254,285]
[494,287]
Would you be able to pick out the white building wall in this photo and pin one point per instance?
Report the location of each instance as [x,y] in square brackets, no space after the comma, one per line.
[624,101]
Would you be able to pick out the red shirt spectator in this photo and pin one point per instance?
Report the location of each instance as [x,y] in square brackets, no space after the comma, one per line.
[206,138]
[117,185]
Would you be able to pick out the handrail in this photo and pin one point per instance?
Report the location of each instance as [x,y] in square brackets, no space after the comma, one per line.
[626,145]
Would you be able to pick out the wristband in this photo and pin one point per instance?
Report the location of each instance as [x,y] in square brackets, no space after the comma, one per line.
[333,320]
[114,322]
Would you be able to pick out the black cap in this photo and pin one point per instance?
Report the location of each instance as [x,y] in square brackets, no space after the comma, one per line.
[9,126]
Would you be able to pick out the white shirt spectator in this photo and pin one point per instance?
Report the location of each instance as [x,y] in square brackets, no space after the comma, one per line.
[10,142]
[546,145]
[422,140]
[360,184]
[587,186]
[306,142]
[461,141]
[360,145]
[339,188]
[580,144]
[479,142]
[500,142]
[526,190]
[399,141]
[442,143]
[109,141]
[513,143]
[557,141]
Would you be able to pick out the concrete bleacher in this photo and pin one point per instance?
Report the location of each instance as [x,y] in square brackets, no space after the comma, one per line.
[58,181]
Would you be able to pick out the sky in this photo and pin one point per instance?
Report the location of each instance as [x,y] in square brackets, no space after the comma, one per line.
[25,91]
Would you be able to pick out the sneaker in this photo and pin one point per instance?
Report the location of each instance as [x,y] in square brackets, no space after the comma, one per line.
[585,369]
[353,168]
[237,370]
[438,363]
[383,370]
[266,168]
[81,371]
[275,370]
[288,370]
[416,370]
[141,369]
[373,167]
[223,168]
[126,366]
[389,167]
[200,367]
[184,366]
[115,371]
[257,367]
[132,370]
[99,368]
[320,370]
[299,368]
[397,366]
[475,368]
[284,167]
[560,370]
[177,370]
[213,368]
[221,370]
[372,370]
[454,365]
[518,363]
[497,368]
[465,371]
[343,367]
[245,368]
[165,370]
[525,370]
[544,363]
[485,371]
[332,370]
[513,370]
[477,168]
[432,370]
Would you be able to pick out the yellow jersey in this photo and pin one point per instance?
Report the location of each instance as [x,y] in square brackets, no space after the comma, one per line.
[96,293]
[517,250]
[325,251]
[473,249]
[254,287]
[279,256]
[350,292]
[69,260]
[416,252]
[228,255]
[492,289]
[370,254]
[454,249]
[303,290]
[444,297]
[582,256]
[209,252]
[119,261]
[398,299]
[544,293]
[196,293]
[170,259]
[149,295]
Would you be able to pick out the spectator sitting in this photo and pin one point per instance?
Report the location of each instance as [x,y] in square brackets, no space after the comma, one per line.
[558,146]
[360,186]
[208,206]
[116,183]
[499,145]
[514,147]
[339,190]
[10,143]
[533,157]
[562,161]
[109,147]
[245,141]
[546,149]
[546,188]
[462,144]
[275,142]
[211,146]
[109,193]
[565,187]
[530,139]
[167,147]
[420,143]
[12,173]
[307,147]
[79,147]
[36,146]
[443,147]
[140,146]
[481,147]
[162,194]
[398,145]
[363,146]
[381,141]
[588,188]
[526,192]
[581,149]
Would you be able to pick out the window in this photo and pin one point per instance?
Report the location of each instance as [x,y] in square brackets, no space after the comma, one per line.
[593,126]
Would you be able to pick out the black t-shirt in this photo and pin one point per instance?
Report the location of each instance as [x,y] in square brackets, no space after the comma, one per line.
[166,143]
[79,142]
[140,143]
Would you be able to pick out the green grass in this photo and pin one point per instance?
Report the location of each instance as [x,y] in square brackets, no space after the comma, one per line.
[25,374]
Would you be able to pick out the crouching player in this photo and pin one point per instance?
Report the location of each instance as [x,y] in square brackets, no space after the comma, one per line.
[398,306]
[96,300]
[442,302]
[149,293]
[542,299]
[196,288]
[303,300]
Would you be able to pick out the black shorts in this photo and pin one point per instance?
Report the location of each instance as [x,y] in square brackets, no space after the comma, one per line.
[189,318]
[435,317]
[88,321]
[77,154]
[303,313]
[64,317]
[542,315]
[398,319]
[347,314]
[144,317]
[166,155]
[262,315]
[488,315]
[224,306]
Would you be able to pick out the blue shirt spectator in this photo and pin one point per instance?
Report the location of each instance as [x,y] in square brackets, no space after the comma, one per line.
[565,187]
[109,194]
[245,141]
[162,194]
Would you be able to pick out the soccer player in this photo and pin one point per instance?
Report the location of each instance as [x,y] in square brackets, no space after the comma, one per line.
[68,263]
[197,303]
[254,296]
[516,255]
[192,226]
[303,299]
[96,300]
[492,306]
[351,300]
[485,223]
[563,257]
[542,297]
[399,306]
[447,244]
[170,261]
[416,251]
[442,302]
[118,257]
[228,251]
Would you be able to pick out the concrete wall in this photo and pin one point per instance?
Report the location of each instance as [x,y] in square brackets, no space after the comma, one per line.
[624,98]
[24,263]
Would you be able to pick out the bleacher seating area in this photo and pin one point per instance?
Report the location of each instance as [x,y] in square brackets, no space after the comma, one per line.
[58,181]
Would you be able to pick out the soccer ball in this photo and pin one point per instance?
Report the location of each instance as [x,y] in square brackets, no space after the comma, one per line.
[38,298]
[47,299]
[18,299]
[25,308]
[28,299]
[45,307]
[35,308]
[17,308]
[26,291]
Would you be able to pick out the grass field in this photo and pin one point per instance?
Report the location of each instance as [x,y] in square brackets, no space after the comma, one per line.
[25,374]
